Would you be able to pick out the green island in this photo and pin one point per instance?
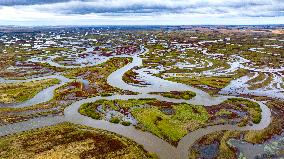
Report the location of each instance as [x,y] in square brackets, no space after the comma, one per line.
[19,92]
[172,121]
[72,141]
[220,140]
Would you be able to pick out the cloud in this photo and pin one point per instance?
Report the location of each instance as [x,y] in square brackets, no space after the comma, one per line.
[140,10]
[28,2]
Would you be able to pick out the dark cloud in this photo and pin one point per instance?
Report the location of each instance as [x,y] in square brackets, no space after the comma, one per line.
[137,8]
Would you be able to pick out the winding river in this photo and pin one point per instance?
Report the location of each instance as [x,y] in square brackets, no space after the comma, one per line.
[150,142]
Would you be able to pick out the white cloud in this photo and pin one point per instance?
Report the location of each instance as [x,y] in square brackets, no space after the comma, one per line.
[170,12]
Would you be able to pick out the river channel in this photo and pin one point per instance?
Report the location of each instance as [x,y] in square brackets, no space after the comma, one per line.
[150,142]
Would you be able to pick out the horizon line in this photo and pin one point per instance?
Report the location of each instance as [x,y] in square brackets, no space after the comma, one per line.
[16,25]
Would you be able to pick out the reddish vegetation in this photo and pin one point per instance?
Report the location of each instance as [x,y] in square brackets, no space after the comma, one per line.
[125,50]
[131,78]
[96,76]
[161,103]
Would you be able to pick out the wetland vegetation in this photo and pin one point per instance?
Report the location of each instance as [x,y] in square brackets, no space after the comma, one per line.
[177,94]
[20,92]
[68,140]
[180,69]
[172,121]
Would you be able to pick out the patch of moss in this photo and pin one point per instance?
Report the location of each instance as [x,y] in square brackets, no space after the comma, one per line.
[114,120]
[88,109]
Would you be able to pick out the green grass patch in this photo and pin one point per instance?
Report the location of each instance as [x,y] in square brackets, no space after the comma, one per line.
[171,127]
[252,107]
[177,94]
[89,109]
[19,92]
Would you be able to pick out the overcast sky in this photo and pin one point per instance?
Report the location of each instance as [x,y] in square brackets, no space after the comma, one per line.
[140,12]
